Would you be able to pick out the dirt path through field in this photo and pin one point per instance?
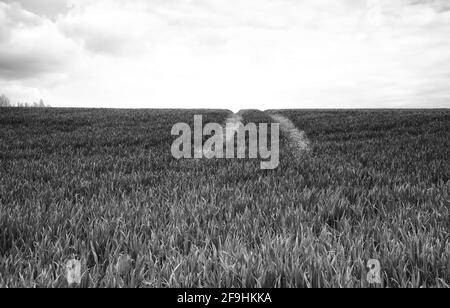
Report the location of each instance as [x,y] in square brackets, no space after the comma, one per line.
[230,126]
[298,141]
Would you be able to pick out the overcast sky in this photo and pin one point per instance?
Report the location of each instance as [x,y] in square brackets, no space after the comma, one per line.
[230,54]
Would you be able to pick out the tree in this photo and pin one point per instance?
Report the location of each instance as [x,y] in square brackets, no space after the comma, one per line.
[22,105]
[4,101]
[39,105]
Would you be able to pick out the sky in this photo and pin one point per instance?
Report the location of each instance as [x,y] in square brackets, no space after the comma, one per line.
[231,54]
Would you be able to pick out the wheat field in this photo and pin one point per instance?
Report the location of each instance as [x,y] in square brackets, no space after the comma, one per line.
[95,185]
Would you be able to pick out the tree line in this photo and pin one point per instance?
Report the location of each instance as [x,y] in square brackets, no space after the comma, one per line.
[5,102]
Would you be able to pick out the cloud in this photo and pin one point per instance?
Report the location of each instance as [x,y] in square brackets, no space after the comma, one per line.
[47,8]
[439,5]
[106,27]
[30,45]
[227,53]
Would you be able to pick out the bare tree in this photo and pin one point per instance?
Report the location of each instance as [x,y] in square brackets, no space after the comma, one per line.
[4,101]
[23,105]
[39,104]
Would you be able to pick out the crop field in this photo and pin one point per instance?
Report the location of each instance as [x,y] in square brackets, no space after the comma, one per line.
[97,184]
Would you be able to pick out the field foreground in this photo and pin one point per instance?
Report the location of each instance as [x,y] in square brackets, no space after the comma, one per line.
[97,184]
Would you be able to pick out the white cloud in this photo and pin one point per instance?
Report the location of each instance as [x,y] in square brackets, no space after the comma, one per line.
[47,8]
[235,53]
[33,53]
